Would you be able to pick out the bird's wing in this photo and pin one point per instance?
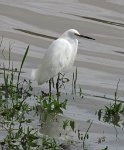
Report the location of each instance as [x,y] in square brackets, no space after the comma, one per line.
[58,53]
[57,57]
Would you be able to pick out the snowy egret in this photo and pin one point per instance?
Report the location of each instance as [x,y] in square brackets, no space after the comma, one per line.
[59,56]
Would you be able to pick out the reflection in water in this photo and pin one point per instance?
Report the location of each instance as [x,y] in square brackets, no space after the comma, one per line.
[36,34]
[104,21]
[100,20]
[119,52]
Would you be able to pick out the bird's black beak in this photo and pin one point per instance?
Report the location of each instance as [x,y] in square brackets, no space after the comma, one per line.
[83,36]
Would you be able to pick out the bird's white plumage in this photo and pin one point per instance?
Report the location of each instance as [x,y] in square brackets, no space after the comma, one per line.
[59,56]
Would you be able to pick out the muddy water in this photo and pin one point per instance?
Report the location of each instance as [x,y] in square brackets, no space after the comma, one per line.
[100,63]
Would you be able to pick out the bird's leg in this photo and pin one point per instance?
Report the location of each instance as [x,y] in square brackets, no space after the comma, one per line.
[57,86]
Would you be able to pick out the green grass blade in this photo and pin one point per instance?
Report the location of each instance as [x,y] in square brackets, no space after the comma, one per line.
[23,60]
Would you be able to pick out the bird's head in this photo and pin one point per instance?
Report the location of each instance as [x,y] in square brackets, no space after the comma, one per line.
[72,33]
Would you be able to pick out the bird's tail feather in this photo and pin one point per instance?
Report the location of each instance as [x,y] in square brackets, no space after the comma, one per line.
[39,76]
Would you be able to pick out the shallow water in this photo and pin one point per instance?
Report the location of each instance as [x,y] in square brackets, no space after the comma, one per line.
[100,63]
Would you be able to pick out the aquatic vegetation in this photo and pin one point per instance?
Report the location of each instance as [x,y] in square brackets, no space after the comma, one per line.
[50,144]
[70,123]
[18,116]
[15,109]
[106,148]
[81,94]
[50,106]
[85,136]
[112,113]
[101,139]
[14,112]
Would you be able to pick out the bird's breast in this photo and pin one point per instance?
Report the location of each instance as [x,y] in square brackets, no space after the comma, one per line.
[73,51]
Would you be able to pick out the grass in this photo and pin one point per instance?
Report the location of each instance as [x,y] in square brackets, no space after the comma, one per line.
[14,111]
[112,113]
[50,106]
[85,136]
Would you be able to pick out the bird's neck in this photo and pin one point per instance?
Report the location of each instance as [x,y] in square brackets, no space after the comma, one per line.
[69,39]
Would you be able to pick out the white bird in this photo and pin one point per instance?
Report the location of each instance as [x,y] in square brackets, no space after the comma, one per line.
[59,57]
